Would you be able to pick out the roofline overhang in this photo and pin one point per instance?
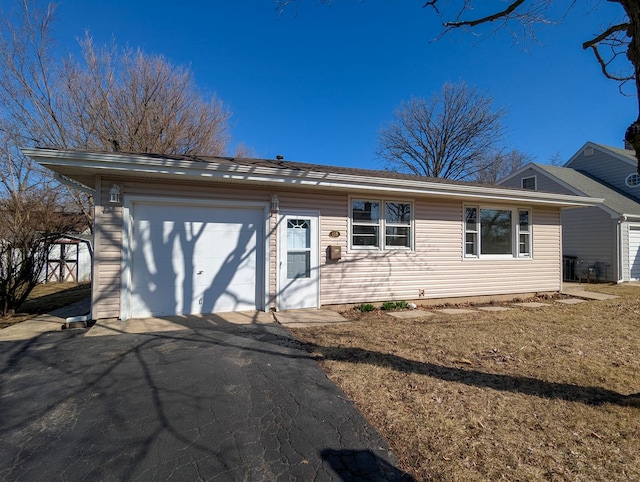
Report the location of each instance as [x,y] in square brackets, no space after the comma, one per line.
[120,164]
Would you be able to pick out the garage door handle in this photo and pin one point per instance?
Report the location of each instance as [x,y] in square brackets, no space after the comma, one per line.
[200,272]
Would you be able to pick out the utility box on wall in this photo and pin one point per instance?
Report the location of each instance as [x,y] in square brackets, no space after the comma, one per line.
[335,253]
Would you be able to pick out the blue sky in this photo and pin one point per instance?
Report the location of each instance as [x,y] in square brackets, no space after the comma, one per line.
[316,83]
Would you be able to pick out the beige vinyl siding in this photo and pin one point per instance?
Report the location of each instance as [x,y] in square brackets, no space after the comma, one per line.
[607,168]
[543,183]
[590,235]
[435,268]
[108,255]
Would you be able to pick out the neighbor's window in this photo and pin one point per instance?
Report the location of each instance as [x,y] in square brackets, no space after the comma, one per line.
[529,183]
[497,232]
[371,228]
[632,180]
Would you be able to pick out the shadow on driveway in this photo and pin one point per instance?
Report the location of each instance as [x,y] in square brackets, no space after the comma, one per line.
[221,402]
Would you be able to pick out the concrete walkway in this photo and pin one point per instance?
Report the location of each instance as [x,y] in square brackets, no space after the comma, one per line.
[41,324]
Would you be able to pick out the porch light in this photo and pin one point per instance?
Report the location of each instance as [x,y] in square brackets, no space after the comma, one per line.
[114,194]
[275,204]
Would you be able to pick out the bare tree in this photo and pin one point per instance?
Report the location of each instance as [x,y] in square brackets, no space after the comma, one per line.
[120,99]
[32,217]
[619,40]
[500,165]
[451,135]
[616,48]
[109,99]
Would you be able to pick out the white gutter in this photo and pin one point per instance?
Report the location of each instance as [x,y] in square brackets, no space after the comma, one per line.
[128,163]
[73,184]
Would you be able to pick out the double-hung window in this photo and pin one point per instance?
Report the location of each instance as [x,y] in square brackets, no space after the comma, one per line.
[379,224]
[497,232]
[365,224]
[524,233]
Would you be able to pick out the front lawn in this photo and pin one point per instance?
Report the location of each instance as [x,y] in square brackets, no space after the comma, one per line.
[544,394]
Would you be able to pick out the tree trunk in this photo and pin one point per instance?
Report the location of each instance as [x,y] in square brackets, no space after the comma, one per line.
[632,7]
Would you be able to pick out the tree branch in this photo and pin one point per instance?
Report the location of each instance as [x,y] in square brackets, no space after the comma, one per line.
[490,18]
[614,28]
[604,66]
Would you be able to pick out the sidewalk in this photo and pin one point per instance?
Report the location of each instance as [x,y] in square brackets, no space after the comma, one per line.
[44,323]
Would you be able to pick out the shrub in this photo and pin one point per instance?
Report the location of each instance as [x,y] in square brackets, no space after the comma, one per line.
[389,305]
[402,305]
[364,307]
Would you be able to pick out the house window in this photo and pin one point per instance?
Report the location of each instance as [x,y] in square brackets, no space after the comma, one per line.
[497,232]
[471,232]
[529,183]
[365,224]
[524,233]
[381,224]
[632,180]
[397,225]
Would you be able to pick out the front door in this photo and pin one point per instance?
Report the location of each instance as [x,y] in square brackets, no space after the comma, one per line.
[299,265]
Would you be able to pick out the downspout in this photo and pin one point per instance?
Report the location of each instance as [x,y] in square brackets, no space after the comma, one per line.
[72,320]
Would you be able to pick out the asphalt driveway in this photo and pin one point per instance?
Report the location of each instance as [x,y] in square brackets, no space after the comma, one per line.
[233,402]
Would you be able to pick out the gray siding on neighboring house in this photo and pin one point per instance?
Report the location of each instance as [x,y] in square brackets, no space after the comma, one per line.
[436,267]
[543,183]
[590,235]
[607,168]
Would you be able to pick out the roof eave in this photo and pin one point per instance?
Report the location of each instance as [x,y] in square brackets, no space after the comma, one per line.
[123,164]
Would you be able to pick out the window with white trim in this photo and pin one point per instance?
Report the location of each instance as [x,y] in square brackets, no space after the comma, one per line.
[632,180]
[365,224]
[524,233]
[529,183]
[378,224]
[490,231]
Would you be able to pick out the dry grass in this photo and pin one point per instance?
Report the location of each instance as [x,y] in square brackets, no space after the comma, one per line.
[47,297]
[547,394]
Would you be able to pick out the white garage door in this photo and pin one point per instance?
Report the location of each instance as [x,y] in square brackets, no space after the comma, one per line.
[195,259]
[634,253]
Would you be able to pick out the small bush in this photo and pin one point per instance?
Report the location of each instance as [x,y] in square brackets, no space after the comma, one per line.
[389,305]
[364,307]
[402,305]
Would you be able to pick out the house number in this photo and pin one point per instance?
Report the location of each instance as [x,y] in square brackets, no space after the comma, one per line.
[334,234]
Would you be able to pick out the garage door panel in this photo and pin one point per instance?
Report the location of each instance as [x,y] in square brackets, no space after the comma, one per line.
[634,253]
[193,259]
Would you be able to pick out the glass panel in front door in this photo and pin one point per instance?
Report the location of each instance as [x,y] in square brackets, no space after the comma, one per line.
[298,248]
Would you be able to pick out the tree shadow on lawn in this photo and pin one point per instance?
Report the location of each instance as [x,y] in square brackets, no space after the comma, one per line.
[509,383]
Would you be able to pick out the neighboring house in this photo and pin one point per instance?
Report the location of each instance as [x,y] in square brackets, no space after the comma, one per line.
[600,242]
[186,235]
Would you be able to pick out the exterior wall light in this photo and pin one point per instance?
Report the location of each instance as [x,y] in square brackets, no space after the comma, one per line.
[275,204]
[114,194]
